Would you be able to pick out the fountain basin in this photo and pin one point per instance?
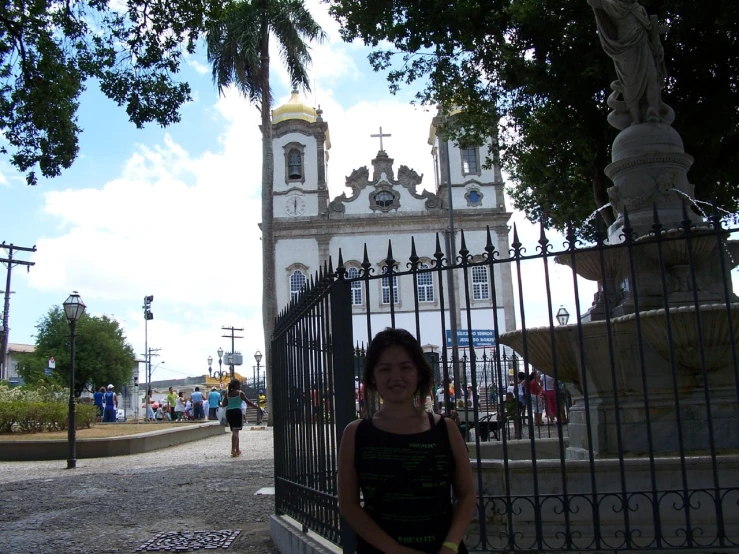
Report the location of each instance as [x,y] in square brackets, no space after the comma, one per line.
[715,337]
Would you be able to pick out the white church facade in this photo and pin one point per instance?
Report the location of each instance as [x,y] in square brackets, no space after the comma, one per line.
[384,203]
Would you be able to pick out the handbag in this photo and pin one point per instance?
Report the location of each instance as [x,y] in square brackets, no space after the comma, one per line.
[221,416]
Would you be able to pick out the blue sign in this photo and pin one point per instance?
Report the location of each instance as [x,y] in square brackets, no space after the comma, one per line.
[480,338]
[47,371]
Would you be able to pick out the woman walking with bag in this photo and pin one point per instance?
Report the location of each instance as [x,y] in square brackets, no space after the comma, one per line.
[404,460]
[232,402]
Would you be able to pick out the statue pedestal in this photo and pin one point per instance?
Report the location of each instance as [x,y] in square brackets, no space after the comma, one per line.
[649,168]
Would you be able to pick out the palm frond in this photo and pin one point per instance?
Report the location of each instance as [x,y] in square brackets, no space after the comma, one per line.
[233,50]
[294,27]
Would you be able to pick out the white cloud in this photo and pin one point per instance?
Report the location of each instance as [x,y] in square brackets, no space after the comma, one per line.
[197,66]
[181,227]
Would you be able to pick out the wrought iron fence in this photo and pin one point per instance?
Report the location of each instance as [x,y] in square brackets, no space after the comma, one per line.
[627,440]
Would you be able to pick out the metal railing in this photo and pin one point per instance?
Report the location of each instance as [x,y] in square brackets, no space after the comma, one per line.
[646,457]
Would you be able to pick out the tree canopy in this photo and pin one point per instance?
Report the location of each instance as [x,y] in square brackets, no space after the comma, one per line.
[51,49]
[102,354]
[532,74]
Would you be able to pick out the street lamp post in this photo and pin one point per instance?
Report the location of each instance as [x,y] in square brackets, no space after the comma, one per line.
[74,307]
[563,316]
[210,363]
[220,367]
[258,358]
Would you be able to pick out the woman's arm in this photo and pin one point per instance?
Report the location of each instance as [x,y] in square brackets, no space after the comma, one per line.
[464,489]
[248,402]
[349,506]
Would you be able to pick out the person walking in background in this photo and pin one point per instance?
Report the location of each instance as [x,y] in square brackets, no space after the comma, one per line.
[111,406]
[214,400]
[549,388]
[97,401]
[537,398]
[403,461]
[149,409]
[232,402]
[171,401]
[197,404]
[179,406]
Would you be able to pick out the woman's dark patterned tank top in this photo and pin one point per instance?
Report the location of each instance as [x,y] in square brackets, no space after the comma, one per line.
[406,484]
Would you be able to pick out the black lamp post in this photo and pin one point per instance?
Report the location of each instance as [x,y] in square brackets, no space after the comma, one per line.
[220,367]
[210,363]
[258,358]
[563,316]
[74,307]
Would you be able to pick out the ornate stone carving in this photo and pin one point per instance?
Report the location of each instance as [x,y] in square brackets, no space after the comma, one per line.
[409,178]
[358,180]
[382,164]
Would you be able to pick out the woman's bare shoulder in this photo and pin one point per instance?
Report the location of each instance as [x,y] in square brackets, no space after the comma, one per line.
[352,427]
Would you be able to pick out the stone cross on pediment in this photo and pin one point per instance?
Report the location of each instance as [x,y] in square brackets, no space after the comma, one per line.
[380,137]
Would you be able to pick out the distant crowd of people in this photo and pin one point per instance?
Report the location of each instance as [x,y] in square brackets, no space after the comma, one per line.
[176,406]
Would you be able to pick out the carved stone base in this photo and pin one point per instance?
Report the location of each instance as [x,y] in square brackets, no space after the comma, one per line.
[663,417]
[649,168]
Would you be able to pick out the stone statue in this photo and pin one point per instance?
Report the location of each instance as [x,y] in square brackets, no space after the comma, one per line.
[631,38]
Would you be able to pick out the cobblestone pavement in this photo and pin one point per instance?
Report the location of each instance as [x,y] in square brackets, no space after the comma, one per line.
[118,504]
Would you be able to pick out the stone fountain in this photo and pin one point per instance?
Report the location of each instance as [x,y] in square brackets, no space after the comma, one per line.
[657,346]
[652,363]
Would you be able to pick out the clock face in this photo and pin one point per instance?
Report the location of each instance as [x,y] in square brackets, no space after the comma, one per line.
[294,205]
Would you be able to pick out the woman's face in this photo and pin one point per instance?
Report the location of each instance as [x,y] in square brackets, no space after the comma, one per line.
[395,375]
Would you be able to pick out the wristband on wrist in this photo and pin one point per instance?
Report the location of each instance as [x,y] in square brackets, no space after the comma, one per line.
[451,546]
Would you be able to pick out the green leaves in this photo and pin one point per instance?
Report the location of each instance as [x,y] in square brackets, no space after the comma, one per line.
[537,67]
[102,354]
[49,49]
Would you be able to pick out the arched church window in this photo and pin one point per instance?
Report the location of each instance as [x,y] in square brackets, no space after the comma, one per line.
[425,284]
[297,284]
[294,164]
[386,287]
[356,286]
[470,161]
[480,284]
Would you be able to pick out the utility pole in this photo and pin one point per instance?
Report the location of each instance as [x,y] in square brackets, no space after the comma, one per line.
[147,316]
[232,336]
[9,262]
[151,352]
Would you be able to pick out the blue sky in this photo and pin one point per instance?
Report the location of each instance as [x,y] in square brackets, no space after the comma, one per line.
[173,212]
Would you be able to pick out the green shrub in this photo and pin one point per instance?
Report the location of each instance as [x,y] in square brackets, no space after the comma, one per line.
[33,417]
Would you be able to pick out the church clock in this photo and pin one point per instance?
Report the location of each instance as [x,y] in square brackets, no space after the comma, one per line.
[294,205]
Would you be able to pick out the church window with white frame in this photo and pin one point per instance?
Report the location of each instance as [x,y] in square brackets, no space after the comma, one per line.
[356,286]
[386,287]
[297,284]
[480,283]
[425,283]
[470,161]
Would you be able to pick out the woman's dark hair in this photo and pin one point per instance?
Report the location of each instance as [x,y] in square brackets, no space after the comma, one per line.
[398,337]
[235,384]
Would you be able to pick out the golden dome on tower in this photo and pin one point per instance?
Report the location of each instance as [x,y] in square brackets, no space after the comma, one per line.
[294,109]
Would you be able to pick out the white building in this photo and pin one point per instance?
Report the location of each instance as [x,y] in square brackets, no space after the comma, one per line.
[379,204]
[11,362]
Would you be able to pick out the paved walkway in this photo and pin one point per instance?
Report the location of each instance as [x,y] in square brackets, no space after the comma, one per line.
[118,504]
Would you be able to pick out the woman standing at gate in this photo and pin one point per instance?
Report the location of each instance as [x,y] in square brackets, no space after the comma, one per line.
[404,460]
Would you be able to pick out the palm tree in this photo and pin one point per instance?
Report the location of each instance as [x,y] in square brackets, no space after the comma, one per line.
[238,49]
